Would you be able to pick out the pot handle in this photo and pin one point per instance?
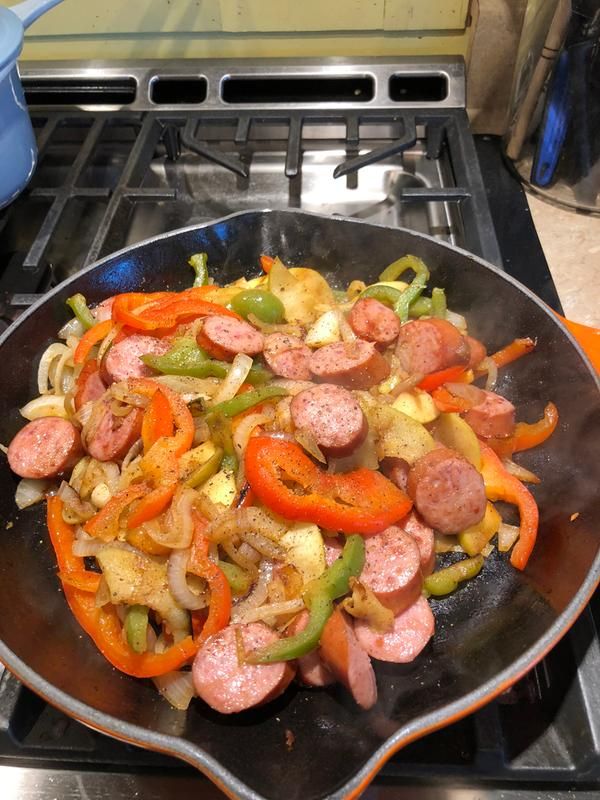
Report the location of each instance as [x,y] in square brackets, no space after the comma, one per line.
[29,10]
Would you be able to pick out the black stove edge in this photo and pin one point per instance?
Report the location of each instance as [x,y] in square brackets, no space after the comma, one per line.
[522,253]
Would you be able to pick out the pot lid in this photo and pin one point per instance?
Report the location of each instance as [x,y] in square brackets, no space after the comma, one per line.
[11,36]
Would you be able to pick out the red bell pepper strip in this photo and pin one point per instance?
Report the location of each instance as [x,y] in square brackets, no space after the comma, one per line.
[105,525]
[72,567]
[91,338]
[157,421]
[102,624]
[501,485]
[171,311]
[436,379]
[219,612]
[266,262]
[362,501]
[124,305]
[448,402]
[513,351]
[530,435]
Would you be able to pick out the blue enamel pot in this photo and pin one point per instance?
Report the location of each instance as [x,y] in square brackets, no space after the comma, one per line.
[18,151]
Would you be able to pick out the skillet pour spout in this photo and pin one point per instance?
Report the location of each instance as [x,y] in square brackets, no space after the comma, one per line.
[488,634]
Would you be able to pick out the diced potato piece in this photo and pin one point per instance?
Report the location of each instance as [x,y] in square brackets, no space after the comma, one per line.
[195,458]
[220,488]
[305,550]
[400,285]
[302,291]
[251,283]
[417,404]
[476,537]
[325,330]
[453,432]
[100,495]
[397,434]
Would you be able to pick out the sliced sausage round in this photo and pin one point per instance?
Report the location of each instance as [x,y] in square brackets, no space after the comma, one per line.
[477,351]
[411,632]
[123,359]
[108,437]
[44,448]
[392,568]
[447,491]
[103,310]
[423,536]
[374,322]
[495,416]
[332,415]
[311,669]
[92,389]
[228,686]
[225,337]
[347,660]
[287,356]
[356,365]
[430,345]
[396,469]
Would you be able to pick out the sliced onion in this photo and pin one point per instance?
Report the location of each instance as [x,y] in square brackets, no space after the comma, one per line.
[270,327]
[307,441]
[177,529]
[245,557]
[270,610]
[61,373]
[292,387]
[120,391]
[191,388]
[507,536]
[177,688]
[85,545]
[107,341]
[56,350]
[520,472]
[247,425]
[263,545]
[467,391]
[30,491]
[346,331]
[235,378]
[71,328]
[363,456]
[257,596]
[103,594]
[47,405]
[457,320]
[75,510]
[490,366]
[133,452]
[405,384]
[84,412]
[178,585]
[487,550]
[242,520]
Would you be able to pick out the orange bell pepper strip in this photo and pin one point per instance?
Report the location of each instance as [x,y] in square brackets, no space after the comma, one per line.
[447,402]
[501,485]
[170,312]
[436,379]
[124,305]
[531,435]
[160,467]
[71,567]
[362,501]
[157,421]
[90,338]
[105,525]
[182,419]
[266,262]
[513,351]
[219,612]
[87,371]
[102,624]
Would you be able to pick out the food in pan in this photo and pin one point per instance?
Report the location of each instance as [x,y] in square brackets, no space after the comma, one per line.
[249,484]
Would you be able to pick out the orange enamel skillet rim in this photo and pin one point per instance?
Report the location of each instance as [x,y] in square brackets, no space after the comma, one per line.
[415,729]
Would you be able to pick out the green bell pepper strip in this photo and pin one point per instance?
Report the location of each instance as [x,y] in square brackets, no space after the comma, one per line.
[186,358]
[446,580]
[399,267]
[420,308]
[399,301]
[199,263]
[78,306]
[238,579]
[385,294]
[264,305]
[205,471]
[220,428]
[438,303]
[136,628]
[318,598]
[242,402]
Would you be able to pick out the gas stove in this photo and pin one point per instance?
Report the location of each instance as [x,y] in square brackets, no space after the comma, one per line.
[127,151]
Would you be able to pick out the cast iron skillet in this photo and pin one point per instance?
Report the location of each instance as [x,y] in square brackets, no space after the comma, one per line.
[487,635]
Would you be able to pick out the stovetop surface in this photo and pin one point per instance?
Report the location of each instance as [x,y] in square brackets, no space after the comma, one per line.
[117,178]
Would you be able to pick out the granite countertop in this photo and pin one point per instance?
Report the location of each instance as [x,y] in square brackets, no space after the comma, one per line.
[571,243]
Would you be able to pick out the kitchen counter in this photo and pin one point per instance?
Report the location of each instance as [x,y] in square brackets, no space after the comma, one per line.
[571,243]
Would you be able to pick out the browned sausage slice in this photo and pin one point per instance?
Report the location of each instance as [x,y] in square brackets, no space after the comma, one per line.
[477,351]
[123,359]
[430,345]
[423,536]
[44,448]
[356,365]
[287,356]
[347,660]
[495,416]
[411,632]
[332,415]
[108,437]
[311,669]
[93,389]
[447,491]
[225,337]
[228,686]
[392,568]
[333,549]
[374,322]
[396,469]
